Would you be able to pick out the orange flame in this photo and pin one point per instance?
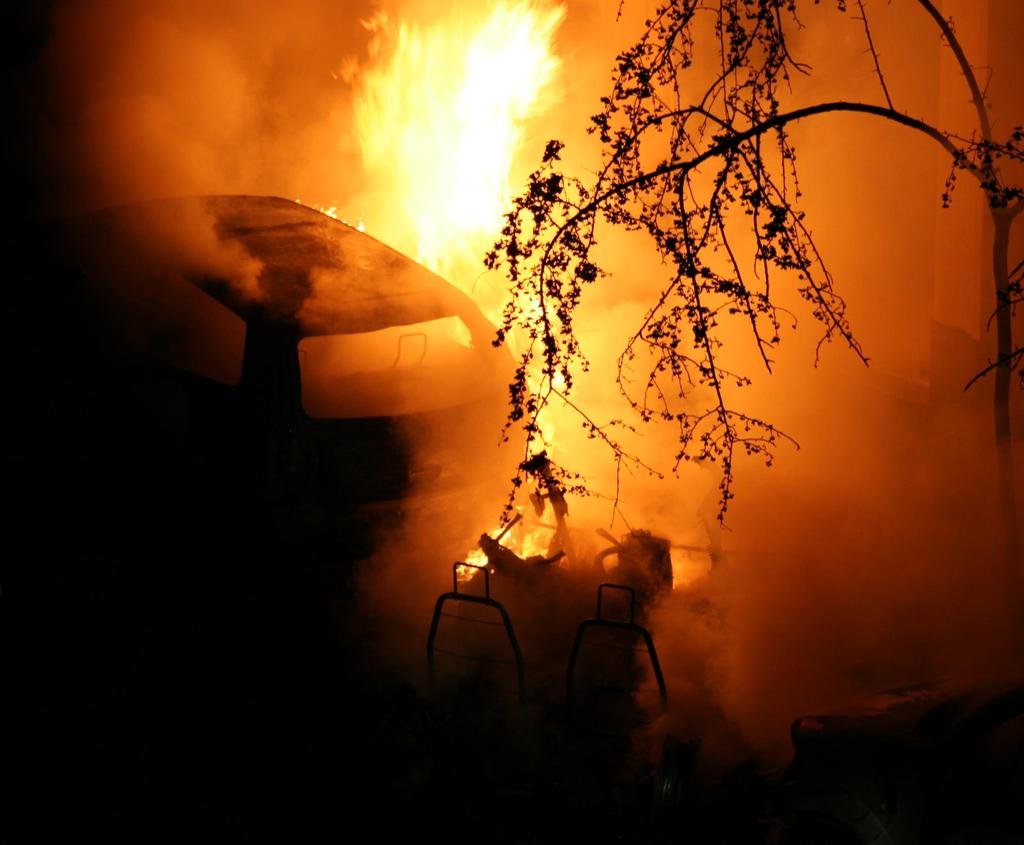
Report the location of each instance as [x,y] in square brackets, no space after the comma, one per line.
[440,117]
[526,538]
[441,112]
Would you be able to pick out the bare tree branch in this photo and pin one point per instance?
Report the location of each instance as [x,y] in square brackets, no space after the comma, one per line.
[874,54]
[1012,360]
[725,181]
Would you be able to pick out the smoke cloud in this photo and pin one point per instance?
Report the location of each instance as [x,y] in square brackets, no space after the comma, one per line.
[868,558]
[128,101]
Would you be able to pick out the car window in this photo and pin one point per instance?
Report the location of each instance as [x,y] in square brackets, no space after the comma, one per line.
[397,370]
[172,320]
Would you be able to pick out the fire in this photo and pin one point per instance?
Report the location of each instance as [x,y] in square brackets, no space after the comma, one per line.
[332,212]
[441,112]
[440,117]
[526,538]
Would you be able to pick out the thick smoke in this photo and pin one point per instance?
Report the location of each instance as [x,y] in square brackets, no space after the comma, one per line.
[870,557]
[128,101]
[874,555]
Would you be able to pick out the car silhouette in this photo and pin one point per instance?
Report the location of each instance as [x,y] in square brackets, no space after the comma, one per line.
[249,360]
[931,763]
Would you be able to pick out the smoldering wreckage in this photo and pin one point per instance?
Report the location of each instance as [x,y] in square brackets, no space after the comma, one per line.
[224,457]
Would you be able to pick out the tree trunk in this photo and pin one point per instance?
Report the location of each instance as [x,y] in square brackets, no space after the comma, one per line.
[1002,219]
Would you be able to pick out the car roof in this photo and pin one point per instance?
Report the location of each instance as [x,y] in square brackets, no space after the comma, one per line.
[316,272]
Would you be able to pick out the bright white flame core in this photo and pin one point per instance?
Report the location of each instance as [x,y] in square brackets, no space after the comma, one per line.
[440,118]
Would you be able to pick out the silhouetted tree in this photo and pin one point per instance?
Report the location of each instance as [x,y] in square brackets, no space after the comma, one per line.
[695,174]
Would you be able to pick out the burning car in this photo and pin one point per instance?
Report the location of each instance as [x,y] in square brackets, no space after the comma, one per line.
[257,359]
[218,403]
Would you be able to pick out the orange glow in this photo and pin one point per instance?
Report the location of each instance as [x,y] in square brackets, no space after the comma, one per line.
[458,332]
[441,111]
[332,212]
[440,117]
[527,538]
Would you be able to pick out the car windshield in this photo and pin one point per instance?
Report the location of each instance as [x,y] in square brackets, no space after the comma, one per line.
[398,370]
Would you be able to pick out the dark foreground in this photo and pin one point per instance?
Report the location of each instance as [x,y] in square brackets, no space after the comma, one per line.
[191,658]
